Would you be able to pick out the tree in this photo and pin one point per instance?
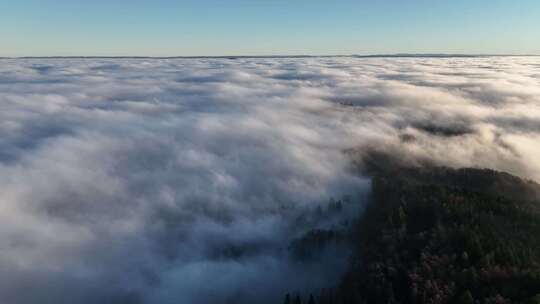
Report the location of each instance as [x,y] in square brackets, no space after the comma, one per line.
[466,298]
[287,299]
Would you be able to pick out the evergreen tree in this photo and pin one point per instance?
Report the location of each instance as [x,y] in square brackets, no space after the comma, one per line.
[287,299]
[466,298]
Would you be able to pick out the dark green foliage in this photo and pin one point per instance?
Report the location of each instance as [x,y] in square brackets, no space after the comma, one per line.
[314,241]
[439,235]
[466,298]
[447,236]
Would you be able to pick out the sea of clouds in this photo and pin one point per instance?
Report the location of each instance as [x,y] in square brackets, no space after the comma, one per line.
[128,180]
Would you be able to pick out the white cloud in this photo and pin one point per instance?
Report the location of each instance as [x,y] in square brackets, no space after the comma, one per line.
[121,178]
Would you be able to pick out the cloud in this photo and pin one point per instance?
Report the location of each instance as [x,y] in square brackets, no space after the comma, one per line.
[175,180]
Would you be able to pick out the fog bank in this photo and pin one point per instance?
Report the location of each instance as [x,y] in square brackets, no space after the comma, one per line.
[181,180]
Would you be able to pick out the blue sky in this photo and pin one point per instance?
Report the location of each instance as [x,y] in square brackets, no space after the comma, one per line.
[242,27]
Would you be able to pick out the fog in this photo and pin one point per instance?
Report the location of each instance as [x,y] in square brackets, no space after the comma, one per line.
[131,180]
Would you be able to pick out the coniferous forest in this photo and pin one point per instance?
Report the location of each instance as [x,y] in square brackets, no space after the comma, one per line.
[440,235]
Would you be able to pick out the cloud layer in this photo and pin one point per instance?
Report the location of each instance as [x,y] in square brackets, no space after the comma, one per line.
[129,180]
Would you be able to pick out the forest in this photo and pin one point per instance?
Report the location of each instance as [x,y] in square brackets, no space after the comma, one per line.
[438,235]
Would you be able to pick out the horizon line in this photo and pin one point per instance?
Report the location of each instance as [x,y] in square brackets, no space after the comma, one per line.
[396,55]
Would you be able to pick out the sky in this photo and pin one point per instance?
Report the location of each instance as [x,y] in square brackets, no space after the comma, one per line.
[242,27]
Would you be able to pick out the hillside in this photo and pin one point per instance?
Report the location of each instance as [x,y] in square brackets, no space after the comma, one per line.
[440,235]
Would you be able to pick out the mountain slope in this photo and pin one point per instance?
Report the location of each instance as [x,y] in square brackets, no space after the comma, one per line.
[440,235]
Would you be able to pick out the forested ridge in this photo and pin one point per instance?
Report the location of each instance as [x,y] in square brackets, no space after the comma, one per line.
[440,235]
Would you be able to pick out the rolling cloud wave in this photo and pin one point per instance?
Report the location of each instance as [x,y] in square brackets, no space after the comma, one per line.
[126,180]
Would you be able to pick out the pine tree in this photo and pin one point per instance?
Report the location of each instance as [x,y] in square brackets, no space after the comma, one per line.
[467,298]
[287,299]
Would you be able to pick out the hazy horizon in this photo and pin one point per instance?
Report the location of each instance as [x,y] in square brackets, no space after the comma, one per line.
[391,55]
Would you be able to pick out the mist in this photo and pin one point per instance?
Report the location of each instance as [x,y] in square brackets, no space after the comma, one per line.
[182,180]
